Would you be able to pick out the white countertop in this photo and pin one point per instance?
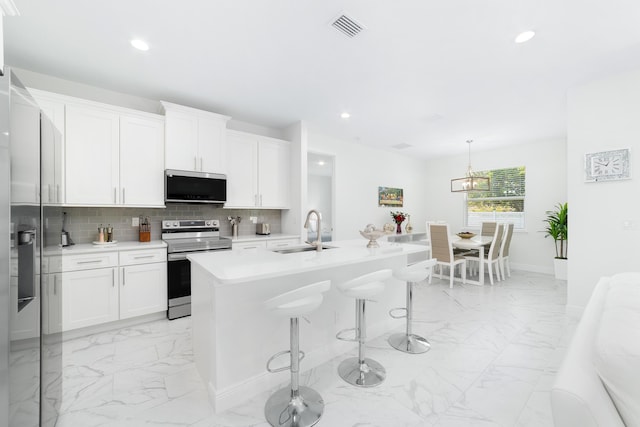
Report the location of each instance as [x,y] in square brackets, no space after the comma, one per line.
[243,266]
[85,248]
[261,237]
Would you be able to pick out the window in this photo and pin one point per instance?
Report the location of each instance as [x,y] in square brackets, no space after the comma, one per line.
[504,202]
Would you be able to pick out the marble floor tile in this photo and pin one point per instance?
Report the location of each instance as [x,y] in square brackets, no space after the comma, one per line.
[495,351]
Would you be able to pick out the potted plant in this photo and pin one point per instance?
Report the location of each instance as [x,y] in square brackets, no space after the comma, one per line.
[557,229]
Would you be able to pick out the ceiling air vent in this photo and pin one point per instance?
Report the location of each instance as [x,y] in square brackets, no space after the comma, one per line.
[347,26]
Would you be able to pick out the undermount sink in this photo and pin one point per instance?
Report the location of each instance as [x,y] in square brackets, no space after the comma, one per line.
[300,249]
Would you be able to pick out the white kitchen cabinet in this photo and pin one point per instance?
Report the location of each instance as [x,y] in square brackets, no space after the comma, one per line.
[242,170]
[89,297]
[25,141]
[141,161]
[92,155]
[195,139]
[113,157]
[258,171]
[52,149]
[87,289]
[143,282]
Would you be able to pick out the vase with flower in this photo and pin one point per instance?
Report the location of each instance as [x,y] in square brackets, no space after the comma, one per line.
[398,218]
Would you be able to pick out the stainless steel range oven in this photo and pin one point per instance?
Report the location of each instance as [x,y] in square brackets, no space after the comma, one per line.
[184,237]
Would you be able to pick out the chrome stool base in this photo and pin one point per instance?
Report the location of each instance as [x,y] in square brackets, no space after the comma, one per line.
[413,344]
[303,410]
[368,374]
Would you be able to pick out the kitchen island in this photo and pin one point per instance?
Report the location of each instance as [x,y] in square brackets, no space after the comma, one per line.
[234,336]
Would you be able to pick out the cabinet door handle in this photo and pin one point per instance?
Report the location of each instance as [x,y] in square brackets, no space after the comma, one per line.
[115,195]
[255,199]
[93,261]
[55,284]
[123,202]
[261,200]
[113,278]
[58,198]
[195,163]
[49,193]
[124,274]
[200,163]
[143,256]
[250,247]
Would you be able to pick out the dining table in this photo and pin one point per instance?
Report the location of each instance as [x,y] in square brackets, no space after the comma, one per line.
[478,243]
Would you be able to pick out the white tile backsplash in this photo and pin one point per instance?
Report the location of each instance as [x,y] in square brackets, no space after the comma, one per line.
[83,222]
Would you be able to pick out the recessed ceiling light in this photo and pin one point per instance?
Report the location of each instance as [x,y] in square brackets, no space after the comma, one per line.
[525,36]
[345,115]
[321,163]
[139,44]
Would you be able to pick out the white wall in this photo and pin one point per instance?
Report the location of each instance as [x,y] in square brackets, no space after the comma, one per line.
[359,171]
[603,115]
[546,185]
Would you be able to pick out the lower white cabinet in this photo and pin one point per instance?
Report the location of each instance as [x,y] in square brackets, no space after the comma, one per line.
[93,288]
[89,297]
[143,289]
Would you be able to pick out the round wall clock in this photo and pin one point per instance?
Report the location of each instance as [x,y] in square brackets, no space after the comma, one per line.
[607,165]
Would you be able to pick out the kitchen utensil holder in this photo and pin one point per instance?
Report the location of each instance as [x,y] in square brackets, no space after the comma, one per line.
[145,236]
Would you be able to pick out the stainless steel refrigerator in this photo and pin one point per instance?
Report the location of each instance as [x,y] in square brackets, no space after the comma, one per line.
[30,359]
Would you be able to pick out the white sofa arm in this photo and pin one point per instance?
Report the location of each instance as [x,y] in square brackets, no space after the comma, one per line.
[578,397]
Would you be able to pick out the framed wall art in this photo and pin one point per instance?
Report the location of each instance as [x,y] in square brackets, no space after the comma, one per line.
[388,196]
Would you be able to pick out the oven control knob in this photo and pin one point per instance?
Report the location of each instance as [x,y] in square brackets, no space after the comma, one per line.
[208,223]
[175,224]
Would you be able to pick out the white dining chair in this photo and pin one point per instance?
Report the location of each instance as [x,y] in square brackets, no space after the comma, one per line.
[442,251]
[504,250]
[492,256]
[488,228]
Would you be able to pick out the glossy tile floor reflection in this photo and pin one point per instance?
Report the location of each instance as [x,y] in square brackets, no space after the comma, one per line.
[495,351]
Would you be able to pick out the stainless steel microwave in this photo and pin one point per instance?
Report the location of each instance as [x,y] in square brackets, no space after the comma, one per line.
[194,187]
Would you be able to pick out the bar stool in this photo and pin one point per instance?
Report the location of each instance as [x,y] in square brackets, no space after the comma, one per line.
[295,406]
[361,371]
[409,342]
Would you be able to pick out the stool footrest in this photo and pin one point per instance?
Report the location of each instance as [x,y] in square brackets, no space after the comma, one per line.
[282,353]
[341,337]
[398,316]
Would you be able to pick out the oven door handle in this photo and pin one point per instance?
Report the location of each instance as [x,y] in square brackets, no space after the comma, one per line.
[177,257]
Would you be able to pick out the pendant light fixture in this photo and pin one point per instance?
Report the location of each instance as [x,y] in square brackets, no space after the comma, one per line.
[470,182]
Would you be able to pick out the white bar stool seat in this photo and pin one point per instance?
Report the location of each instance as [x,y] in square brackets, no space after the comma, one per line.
[407,341]
[362,371]
[295,406]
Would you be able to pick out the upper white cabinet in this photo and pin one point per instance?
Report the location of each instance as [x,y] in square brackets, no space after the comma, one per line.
[141,161]
[92,151]
[195,139]
[258,171]
[113,156]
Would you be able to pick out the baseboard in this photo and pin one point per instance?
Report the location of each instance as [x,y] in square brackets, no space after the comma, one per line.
[532,268]
[239,393]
